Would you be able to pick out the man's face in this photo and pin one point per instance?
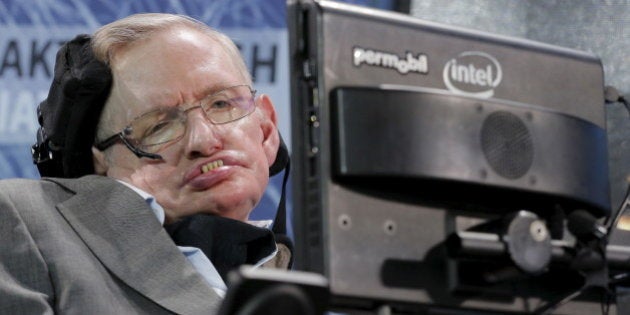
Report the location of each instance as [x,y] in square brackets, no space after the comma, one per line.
[180,67]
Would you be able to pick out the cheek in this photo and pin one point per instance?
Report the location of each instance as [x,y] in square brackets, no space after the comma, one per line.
[161,182]
[162,172]
[249,134]
[153,175]
[255,151]
[121,162]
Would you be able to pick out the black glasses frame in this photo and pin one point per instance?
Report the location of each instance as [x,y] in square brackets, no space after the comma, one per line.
[101,146]
[121,136]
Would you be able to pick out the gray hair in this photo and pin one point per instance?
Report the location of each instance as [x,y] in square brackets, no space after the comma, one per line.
[112,37]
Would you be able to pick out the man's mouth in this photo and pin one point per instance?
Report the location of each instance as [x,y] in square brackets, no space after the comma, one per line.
[210,166]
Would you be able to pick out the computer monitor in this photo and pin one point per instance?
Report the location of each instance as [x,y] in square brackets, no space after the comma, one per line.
[408,133]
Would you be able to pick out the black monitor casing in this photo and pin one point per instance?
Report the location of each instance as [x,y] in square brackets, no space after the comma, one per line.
[406,131]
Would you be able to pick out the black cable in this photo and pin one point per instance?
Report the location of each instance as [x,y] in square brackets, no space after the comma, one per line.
[605,303]
[611,95]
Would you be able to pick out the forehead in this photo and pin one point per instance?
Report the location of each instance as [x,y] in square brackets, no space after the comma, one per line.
[172,67]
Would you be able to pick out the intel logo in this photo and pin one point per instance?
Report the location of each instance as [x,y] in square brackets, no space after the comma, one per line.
[473,73]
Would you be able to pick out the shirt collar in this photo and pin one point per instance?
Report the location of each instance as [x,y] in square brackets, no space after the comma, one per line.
[155,206]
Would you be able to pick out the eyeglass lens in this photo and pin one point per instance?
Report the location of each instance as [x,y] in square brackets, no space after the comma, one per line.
[152,130]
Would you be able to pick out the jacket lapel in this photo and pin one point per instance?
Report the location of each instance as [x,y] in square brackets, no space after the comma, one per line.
[122,231]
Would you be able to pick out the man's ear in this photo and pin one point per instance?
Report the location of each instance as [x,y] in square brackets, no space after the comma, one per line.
[99,161]
[269,126]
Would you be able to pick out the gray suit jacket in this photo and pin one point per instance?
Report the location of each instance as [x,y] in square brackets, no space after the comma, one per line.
[90,246]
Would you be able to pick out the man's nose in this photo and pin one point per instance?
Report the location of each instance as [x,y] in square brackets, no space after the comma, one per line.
[201,137]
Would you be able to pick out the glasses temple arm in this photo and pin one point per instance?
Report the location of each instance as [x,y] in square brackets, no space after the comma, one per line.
[139,153]
[101,146]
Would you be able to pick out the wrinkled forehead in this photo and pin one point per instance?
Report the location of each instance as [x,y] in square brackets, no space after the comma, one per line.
[172,67]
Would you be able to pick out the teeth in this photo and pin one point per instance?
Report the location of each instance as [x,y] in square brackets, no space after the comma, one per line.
[212,165]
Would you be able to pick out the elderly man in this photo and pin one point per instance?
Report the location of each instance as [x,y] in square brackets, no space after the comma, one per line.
[181,133]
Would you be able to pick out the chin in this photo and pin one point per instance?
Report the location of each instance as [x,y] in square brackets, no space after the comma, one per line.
[236,211]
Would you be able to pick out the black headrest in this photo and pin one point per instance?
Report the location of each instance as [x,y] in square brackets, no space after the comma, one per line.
[68,117]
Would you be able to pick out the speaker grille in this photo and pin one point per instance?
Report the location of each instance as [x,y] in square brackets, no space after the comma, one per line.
[507,144]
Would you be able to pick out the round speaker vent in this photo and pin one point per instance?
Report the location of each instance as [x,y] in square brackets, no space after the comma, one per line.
[507,144]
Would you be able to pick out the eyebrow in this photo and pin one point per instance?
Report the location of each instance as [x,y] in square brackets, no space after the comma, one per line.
[213,90]
[204,95]
[185,105]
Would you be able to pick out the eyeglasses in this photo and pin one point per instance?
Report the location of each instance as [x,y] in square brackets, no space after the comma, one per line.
[151,131]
